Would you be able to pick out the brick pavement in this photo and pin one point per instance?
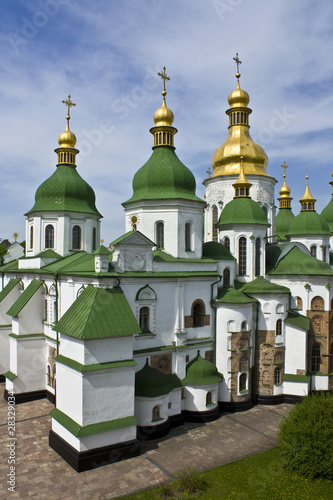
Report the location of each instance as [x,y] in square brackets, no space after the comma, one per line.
[42,474]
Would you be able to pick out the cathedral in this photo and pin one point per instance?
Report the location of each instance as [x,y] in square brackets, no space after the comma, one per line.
[203,306]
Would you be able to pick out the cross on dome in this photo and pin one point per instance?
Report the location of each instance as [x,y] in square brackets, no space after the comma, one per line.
[69,104]
[164,77]
[284,166]
[238,62]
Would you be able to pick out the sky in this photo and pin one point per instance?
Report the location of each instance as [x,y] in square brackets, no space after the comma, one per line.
[106,55]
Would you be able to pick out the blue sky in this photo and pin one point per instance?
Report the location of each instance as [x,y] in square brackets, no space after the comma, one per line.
[106,55]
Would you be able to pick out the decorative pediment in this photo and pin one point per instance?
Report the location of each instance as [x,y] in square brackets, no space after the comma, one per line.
[132,252]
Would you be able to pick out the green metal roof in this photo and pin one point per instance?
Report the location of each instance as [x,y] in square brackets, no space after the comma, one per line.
[216,251]
[161,256]
[49,254]
[233,296]
[11,266]
[24,297]
[164,176]
[200,371]
[123,237]
[282,222]
[298,320]
[261,285]
[290,377]
[98,313]
[65,190]
[78,262]
[8,288]
[308,223]
[327,214]
[242,211]
[301,263]
[102,250]
[151,383]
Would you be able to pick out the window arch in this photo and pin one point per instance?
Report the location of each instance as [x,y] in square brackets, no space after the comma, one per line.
[267,307]
[231,326]
[209,398]
[144,319]
[279,308]
[94,239]
[299,303]
[244,326]
[226,242]
[257,257]
[317,303]
[31,241]
[226,277]
[242,256]
[156,415]
[214,221]
[188,234]
[313,251]
[278,328]
[278,375]
[160,235]
[76,235]
[242,382]
[49,236]
[316,357]
[198,313]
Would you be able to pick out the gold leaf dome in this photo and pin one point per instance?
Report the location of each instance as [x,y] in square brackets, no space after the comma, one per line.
[163,116]
[238,97]
[67,139]
[284,190]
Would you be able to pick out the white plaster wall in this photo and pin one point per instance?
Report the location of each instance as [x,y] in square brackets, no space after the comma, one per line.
[175,400]
[296,349]
[144,408]
[99,440]
[28,363]
[319,383]
[6,303]
[298,288]
[107,395]
[268,314]
[88,352]
[195,397]
[4,350]
[31,317]
[296,388]
[70,392]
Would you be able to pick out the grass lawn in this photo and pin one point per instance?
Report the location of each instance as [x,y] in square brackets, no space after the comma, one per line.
[260,476]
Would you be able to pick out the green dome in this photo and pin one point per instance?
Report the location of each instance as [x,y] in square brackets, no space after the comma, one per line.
[282,222]
[327,214]
[308,223]
[151,383]
[216,251]
[164,176]
[65,190]
[243,211]
[200,371]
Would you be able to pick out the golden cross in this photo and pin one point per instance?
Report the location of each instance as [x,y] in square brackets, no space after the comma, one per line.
[237,62]
[68,103]
[164,77]
[284,166]
[209,172]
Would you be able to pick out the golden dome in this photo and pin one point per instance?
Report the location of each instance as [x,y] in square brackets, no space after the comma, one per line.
[307,201]
[163,116]
[238,97]
[284,190]
[67,139]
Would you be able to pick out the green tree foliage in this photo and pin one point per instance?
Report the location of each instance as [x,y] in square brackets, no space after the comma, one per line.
[306,437]
[3,251]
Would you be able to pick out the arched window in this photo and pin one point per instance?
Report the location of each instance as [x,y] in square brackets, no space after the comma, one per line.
[49,236]
[188,237]
[209,398]
[278,357]
[242,256]
[244,326]
[257,257]
[229,365]
[316,357]
[31,236]
[160,234]
[313,250]
[278,329]
[198,313]
[144,319]
[226,277]
[267,307]
[299,303]
[156,413]
[278,375]
[226,242]
[94,239]
[76,238]
[231,326]
[279,308]
[214,221]
[317,303]
[242,382]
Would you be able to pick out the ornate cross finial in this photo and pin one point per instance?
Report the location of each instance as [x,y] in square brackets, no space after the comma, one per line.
[209,172]
[69,104]
[238,62]
[164,77]
[284,166]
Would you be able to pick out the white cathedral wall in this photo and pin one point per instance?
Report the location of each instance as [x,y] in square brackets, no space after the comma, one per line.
[31,317]
[144,409]
[317,240]
[296,388]
[27,361]
[272,308]
[69,392]
[6,303]
[319,383]
[4,351]
[296,349]
[88,352]
[195,397]
[307,287]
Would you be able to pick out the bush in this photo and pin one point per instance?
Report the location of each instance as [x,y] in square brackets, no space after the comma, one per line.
[306,437]
[190,480]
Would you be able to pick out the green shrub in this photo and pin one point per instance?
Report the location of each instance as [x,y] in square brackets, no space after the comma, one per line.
[190,480]
[306,437]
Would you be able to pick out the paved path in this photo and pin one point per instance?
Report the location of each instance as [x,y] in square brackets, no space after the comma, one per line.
[42,474]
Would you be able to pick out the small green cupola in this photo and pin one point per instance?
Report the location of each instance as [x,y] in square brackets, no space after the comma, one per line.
[200,371]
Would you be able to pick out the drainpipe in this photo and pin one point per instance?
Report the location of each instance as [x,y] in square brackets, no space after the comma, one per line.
[211,301]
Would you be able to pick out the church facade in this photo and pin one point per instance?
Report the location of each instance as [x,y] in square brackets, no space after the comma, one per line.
[202,306]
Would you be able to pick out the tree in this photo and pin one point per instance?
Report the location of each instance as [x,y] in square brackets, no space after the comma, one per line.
[306,437]
[3,251]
